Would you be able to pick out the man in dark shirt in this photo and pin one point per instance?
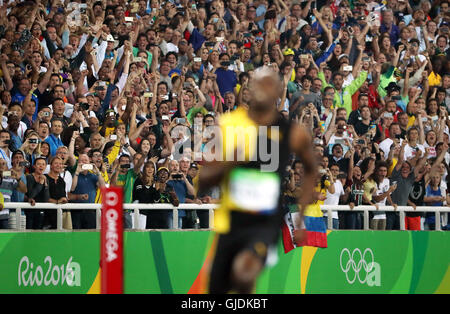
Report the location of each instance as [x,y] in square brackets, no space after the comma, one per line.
[38,192]
[362,126]
[388,26]
[57,185]
[162,218]
[46,96]
[355,115]
[337,157]
[404,175]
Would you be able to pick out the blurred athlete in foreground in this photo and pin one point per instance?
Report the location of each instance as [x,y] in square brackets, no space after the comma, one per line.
[250,216]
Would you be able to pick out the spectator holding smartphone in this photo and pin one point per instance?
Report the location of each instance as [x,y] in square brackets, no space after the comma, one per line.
[353,196]
[125,175]
[19,166]
[333,198]
[31,147]
[5,152]
[167,195]
[86,180]
[144,191]
[10,181]
[394,137]
[179,182]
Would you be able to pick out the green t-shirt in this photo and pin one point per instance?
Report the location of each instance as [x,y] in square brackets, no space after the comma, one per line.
[127,182]
[149,56]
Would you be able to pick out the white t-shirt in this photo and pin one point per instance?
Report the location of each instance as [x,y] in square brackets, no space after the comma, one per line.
[333,199]
[431,150]
[410,152]
[383,187]
[385,146]
[422,58]
[348,80]
[20,130]
[333,139]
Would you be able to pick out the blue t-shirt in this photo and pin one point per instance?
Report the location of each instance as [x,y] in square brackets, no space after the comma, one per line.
[226,80]
[261,10]
[430,218]
[18,97]
[16,195]
[196,39]
[87,184]
[431,192]
[54,143]
[181,191]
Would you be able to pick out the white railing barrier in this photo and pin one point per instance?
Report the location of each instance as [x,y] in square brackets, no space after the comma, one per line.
[400,209]
[18,207]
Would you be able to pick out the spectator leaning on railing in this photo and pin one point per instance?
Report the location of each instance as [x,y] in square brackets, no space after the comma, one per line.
[124,175]
[86,179]
[38,192]
[404,175]
[11,180]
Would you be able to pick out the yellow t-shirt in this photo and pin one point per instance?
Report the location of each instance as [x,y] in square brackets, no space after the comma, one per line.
[314,210]
[243,189]
[391,168]
[434,79]
[98,196]
[411,121]
[370,187]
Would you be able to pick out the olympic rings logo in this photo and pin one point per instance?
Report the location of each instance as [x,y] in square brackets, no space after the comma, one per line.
[358,263]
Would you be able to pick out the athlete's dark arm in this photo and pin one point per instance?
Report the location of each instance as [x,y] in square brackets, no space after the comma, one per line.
[211,174]
[301,145]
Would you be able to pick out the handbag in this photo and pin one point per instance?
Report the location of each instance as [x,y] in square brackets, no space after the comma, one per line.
[67,220]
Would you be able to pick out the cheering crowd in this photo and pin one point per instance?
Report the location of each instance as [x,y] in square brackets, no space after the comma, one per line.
[102,93]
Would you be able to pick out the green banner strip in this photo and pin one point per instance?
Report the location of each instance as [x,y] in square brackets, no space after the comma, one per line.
[367,262]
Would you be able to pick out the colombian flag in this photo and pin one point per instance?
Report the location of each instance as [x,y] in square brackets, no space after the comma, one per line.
[316,231]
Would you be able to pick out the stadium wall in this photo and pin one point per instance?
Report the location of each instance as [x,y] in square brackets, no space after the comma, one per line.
[169,262]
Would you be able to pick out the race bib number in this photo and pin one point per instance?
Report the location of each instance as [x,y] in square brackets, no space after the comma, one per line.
[255,191]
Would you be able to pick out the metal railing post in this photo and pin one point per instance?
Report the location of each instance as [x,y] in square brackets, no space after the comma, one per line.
[175,219]
[402,216]
[18,220]
[437,225]
[366,219]
[59,219]
[98,218]
[330,219]
[136,218]
[211,218]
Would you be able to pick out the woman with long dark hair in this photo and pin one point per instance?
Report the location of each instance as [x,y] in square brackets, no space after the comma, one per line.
[144,191]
